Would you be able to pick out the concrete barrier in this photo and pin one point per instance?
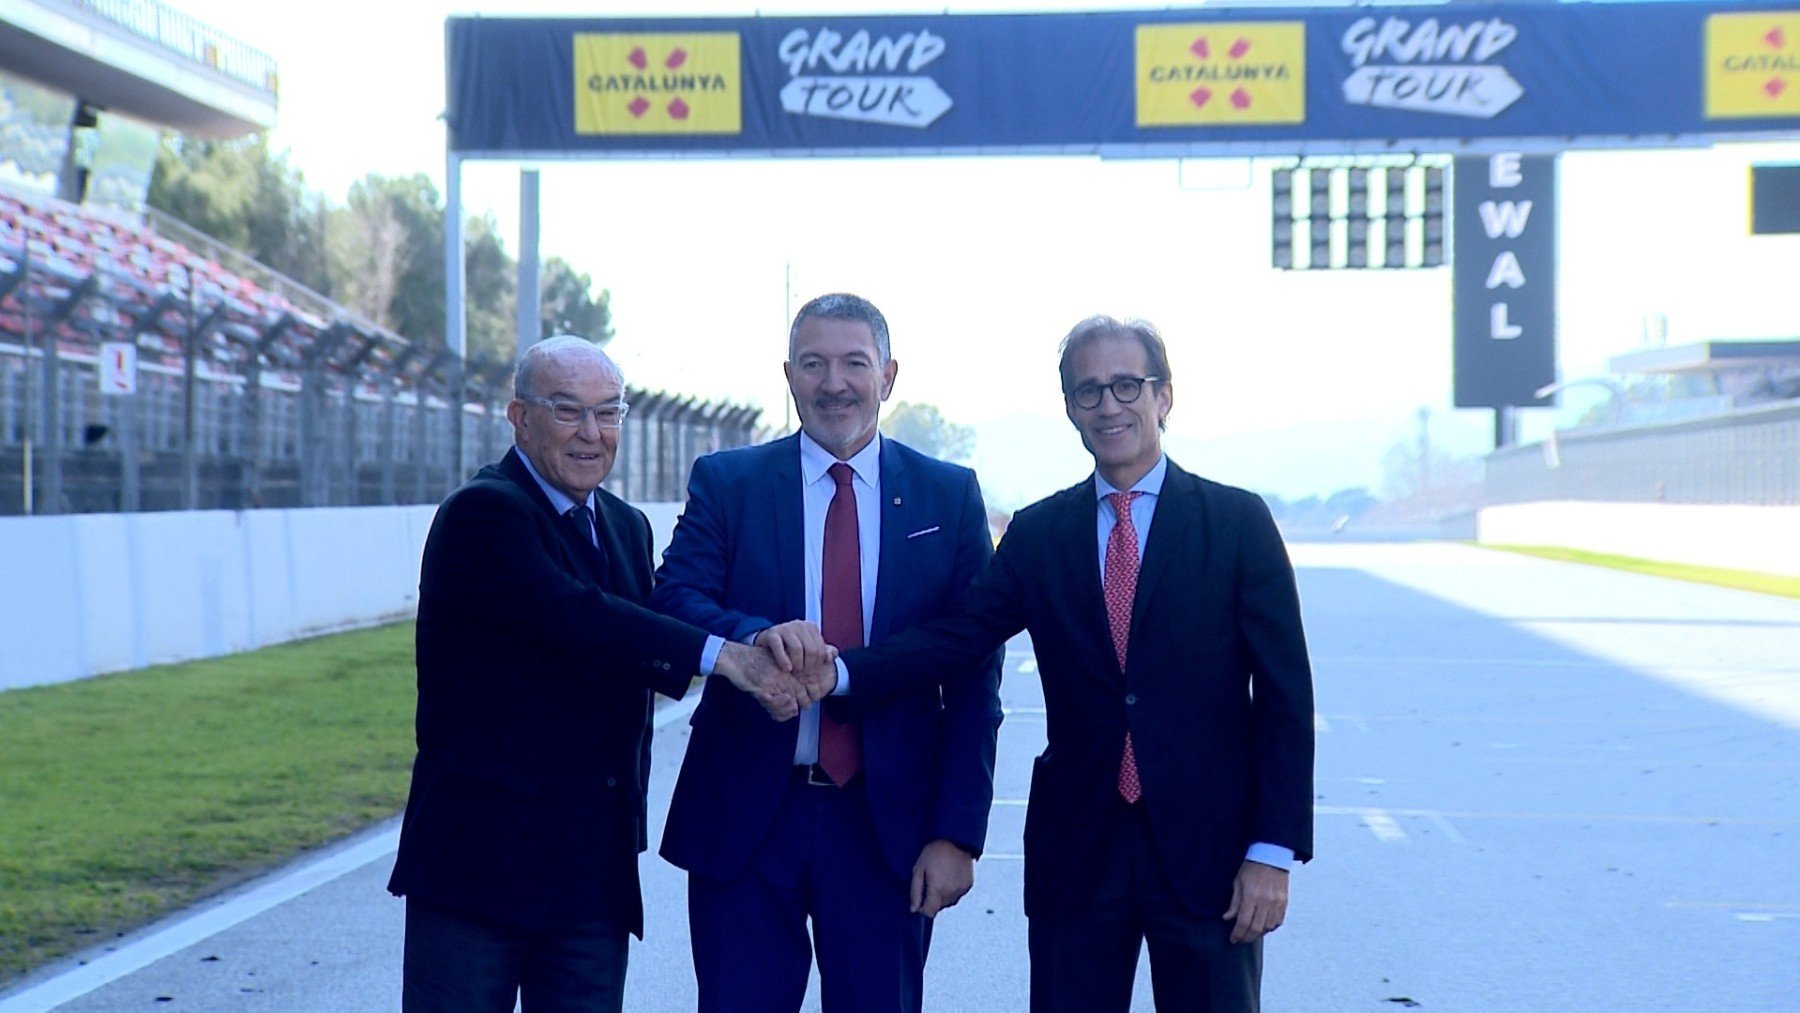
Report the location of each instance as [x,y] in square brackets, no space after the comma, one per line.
[92,593]
[1764,539]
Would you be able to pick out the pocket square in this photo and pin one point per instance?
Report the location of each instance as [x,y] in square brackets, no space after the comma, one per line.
[924,531]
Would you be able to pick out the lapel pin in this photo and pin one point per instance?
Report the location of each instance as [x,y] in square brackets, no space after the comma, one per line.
[896,501]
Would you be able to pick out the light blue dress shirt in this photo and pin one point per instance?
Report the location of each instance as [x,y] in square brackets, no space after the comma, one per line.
[1143,509]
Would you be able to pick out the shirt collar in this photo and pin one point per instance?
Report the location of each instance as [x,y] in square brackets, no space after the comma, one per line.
[816,460]
[1150,485]
[558,499]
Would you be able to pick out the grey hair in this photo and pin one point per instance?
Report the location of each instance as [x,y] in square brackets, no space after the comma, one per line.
[1156,353]
[843,306]
[525,374]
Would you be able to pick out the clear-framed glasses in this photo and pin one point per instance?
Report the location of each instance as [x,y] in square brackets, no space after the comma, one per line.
[1125,390]
[573,413]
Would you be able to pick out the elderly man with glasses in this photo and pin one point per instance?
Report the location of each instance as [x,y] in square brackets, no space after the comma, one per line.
[536,663]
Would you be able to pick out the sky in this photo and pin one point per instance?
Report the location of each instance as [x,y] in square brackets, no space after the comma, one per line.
[1286,382]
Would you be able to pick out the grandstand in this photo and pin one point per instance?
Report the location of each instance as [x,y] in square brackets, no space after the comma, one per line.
[251,390]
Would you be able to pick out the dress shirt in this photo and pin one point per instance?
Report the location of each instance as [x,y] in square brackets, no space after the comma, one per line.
[1143,509]
[563,504]
[818,488]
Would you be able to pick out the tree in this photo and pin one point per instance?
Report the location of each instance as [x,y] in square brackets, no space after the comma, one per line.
[923,427]
[248,198]
[385,249]
[569,307]
[491,288]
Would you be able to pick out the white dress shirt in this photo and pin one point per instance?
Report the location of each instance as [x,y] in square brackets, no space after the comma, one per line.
[818,488]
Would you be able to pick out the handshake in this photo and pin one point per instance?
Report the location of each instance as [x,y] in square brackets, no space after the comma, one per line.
[790,668]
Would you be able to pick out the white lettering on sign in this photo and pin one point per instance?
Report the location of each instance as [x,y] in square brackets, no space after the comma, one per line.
[1506,271]
[1504,170]
[1430,67]
[1498,327]
[1506,218]
[855,87]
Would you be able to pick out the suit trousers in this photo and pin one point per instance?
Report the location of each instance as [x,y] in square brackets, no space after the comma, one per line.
[456,963]
[1087,963]
[822,861]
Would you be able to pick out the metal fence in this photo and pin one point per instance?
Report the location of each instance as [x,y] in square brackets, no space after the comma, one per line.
[251,390]
[1746,456]
[210,440]
[187,36]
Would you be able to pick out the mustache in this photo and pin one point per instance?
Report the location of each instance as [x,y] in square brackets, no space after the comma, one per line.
[823,401]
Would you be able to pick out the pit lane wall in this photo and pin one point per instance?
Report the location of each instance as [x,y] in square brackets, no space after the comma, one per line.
[87,594]
[1764,539]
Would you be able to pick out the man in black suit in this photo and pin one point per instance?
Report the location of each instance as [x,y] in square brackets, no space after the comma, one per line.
[1176,788]
[536,663]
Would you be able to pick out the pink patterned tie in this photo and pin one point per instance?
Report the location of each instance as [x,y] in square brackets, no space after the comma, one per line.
[1120,587]
[840,619]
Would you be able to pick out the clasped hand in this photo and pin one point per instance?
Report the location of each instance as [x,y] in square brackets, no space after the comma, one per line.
[790,668]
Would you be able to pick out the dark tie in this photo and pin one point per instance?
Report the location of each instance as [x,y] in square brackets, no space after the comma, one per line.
[1120,588]
[840,619]
[581,519]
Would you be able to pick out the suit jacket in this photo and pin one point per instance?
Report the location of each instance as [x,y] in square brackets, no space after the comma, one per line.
[536,663]
[1217,690]
[737,565]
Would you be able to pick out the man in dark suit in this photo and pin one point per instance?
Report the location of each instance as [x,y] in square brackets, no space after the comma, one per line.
[867,824]
[1176,788]
[536,662]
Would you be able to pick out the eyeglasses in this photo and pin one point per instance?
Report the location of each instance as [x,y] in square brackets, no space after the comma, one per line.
[1125,390]
[574,413]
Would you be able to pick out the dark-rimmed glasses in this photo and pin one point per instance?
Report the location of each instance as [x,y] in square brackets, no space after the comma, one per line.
[1125,390]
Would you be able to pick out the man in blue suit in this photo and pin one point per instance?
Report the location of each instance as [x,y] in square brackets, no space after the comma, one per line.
[867,821]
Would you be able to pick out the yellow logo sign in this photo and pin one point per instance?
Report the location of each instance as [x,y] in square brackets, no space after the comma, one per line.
[1221,73]
[658,84]
[1753,65]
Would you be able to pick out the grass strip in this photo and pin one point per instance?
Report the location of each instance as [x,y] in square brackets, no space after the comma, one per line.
[1741,580]
[128,796]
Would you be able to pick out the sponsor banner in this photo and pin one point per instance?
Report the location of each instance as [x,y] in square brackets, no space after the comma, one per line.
[657,84]
[1753,65]
[1221,72]
[1465,77]
[1503,279]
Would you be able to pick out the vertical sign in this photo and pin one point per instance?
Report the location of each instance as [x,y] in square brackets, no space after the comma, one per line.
[118,367]
[1503,279]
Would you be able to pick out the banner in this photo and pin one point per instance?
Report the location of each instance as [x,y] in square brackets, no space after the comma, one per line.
[1503,279]
[1457,77]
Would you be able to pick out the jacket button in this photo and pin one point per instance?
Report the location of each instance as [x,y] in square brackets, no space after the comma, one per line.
[612,782]
[665,666]
[1130,699]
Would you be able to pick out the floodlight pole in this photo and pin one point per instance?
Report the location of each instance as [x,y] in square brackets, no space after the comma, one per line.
[455,320]
[530,296]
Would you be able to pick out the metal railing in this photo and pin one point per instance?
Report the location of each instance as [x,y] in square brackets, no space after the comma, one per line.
[188,36]
[250,393]
[233,442]
[1745,456]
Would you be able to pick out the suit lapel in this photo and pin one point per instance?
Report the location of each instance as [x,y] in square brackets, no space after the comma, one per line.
[1177,536]
[896,502]
[1077,554]
[788,509]
[581,560]
[610,525]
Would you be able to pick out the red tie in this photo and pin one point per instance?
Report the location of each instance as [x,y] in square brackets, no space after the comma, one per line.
[840,619]
[1120,587]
